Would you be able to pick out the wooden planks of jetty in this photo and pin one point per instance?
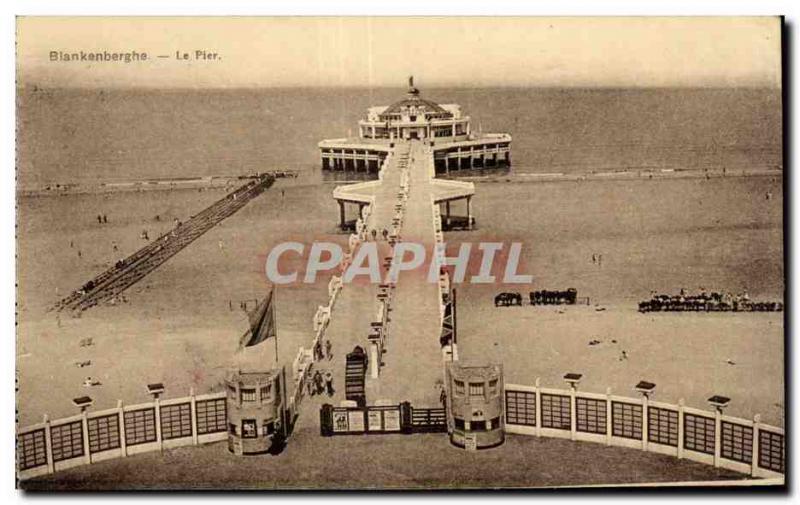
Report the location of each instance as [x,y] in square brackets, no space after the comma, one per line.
[127,272]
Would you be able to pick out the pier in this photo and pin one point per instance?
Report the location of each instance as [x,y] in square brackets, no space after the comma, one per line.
[412,361]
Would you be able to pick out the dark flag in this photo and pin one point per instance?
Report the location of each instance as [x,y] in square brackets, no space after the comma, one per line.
[262,322]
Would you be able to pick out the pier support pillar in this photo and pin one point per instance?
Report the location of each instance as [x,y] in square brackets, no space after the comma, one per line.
[341,213]
[447,213]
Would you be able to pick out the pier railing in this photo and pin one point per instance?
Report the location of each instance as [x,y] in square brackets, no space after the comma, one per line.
[90,437]
[742,445]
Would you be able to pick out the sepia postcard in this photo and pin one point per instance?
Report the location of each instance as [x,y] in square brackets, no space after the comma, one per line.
[378,253]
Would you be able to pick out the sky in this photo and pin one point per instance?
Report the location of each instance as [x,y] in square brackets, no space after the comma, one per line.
[384,51]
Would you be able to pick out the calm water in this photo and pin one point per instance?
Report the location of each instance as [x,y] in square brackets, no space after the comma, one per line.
[83,135]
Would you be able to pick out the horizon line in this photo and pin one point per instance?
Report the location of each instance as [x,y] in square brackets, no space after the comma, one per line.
[25,86]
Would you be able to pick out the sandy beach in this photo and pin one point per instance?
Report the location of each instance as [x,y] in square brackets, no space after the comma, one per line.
[178,327]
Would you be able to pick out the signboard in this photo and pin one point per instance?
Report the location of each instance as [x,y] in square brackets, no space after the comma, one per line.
[356,420]
[374,420]
[339,421]
[391,420]
[470,443]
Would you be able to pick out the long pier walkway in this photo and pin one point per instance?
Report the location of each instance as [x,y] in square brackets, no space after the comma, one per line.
[412,361]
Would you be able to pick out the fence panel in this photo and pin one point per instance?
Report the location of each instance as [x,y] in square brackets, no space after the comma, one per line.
[626,420]
[211,416]
[140,426]
[737,442]
[590,415]
[771,451]
[555,411]
[103,433]
[428,420]
[176,421]
[521,408]
[32,449]
[67,440]
[662,426]
[698,433]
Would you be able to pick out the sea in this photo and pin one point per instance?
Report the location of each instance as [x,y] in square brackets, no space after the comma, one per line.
[89,135]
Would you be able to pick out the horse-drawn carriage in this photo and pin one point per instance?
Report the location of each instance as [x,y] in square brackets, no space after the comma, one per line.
[546,297]
[507,299]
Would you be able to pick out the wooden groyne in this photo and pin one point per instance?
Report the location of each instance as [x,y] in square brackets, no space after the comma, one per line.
[127,272]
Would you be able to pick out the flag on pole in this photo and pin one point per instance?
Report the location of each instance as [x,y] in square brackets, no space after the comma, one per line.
[262,322]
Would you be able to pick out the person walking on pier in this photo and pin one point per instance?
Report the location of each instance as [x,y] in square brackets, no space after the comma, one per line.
[329,349]
[310,385]
[329,382]
[99,219]
[318,383]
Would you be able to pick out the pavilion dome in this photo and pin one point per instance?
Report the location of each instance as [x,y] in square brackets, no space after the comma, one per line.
[414,102]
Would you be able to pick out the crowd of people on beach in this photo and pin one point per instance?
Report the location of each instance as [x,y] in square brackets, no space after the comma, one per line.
[706,302]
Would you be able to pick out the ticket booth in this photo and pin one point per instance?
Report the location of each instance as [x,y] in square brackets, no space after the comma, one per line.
[255,406]
[475,405]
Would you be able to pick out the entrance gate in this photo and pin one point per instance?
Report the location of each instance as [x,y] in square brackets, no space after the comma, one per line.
[381,419]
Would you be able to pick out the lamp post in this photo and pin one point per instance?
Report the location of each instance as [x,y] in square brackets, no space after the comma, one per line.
[155,390]
[646,389]
[719,403]
[573,379]
[83,403]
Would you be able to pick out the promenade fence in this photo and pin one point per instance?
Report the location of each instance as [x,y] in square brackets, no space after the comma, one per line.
[742,445]
[90,437]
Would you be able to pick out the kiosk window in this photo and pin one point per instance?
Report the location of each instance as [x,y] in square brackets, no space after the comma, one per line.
[459,423]
[249,428]
[248,395]
[232,429]
[459,388]
[266,392]
[495,423]
[476,388]
[477,425]
[493,387]
[269,428]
